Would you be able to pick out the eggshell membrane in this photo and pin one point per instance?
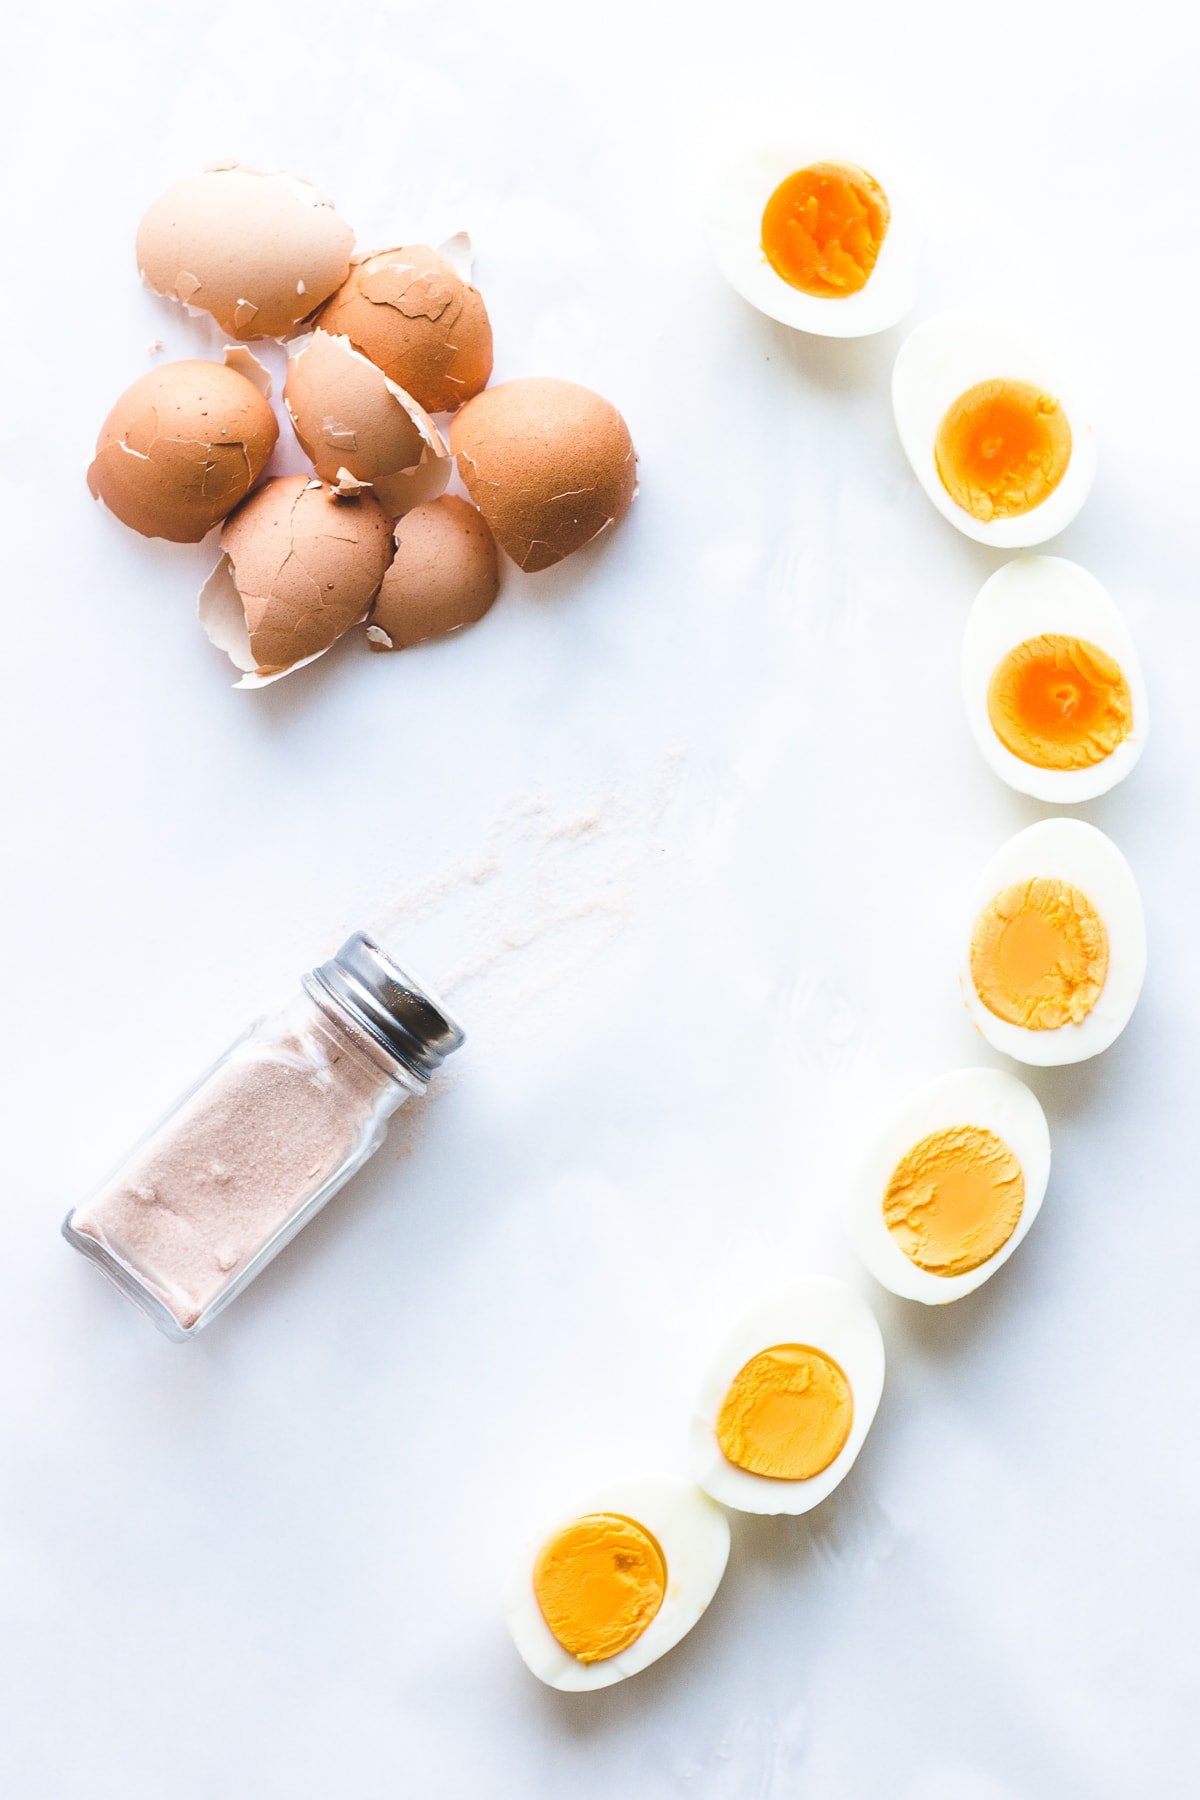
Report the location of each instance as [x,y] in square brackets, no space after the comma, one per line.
[995,1101]
[827,1315]
[412,313]
[258,251]
[1066,850]
[236,356]
[181,447]
[359,428]
[300,566]
[444,574]
[941,360]
[733,217]
[1025,599]
[693,1535]
[549,465]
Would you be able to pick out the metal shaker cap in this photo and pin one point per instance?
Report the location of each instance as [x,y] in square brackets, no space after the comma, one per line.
[409,1023]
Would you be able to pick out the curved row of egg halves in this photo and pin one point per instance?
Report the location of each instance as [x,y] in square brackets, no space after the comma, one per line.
[1052,958]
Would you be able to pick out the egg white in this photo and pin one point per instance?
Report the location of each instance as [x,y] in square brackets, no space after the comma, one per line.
[955,351]
[693,1535]
[988,1098]
[826,1315]
[1066,850]
[733,217]
[1028,598]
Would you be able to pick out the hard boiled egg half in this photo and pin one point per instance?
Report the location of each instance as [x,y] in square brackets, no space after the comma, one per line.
[994,429]
[949,1185]
[814,239]
[605,1591]
[1052,682]
[789,1399]
[1055,952]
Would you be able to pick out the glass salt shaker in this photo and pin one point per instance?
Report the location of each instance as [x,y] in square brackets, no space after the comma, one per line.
[246,1158]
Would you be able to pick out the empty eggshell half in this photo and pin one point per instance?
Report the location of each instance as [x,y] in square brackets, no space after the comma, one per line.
[299,567]
[359,428]
[258,251]
[414,313]
[445,574]
[181,448]
[549,465]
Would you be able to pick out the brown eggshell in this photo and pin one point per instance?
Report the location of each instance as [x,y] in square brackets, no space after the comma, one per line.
[444,574]
[258,251]
[299,568]
[548,464]
[359,428]
[418,320]
[181,448]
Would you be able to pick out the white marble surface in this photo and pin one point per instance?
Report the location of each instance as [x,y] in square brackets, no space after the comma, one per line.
[688,826]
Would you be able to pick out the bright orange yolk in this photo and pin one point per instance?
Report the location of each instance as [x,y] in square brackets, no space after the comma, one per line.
[954,1199]
[787,1414]
[1039,955]
[599,1582]
[1059,703]
[1002,448]
[822,229]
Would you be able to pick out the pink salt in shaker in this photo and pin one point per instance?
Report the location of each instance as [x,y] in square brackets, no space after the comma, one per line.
[272,1131]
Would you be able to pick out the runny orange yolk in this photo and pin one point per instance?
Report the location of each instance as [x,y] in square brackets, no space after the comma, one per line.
[1059,703]
[954,1199]
[1002,447]
[823,227]
[1039,954]
[599,1582]
[787,1413]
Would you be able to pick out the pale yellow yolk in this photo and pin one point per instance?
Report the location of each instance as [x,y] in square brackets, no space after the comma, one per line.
[1002,447]
[823,227]
[954,1199]
[599,1582]
[787,1413]
[1039,955]
[1059,703]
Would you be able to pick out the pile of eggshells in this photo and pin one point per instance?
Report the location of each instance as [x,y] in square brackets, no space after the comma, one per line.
[378,345]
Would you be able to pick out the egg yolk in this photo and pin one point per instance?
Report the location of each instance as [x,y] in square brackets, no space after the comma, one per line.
[599,1582]
[1039,955]
[954,1199]
[1002,447]
[787,1413]
[1059,703]
[823,227]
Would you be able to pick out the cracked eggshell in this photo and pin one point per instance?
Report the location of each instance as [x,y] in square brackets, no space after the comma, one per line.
[258,251]
[181,448]
[359,428]
[300,566]
[414,314]
[549,465]
[445,574]
[236,356]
